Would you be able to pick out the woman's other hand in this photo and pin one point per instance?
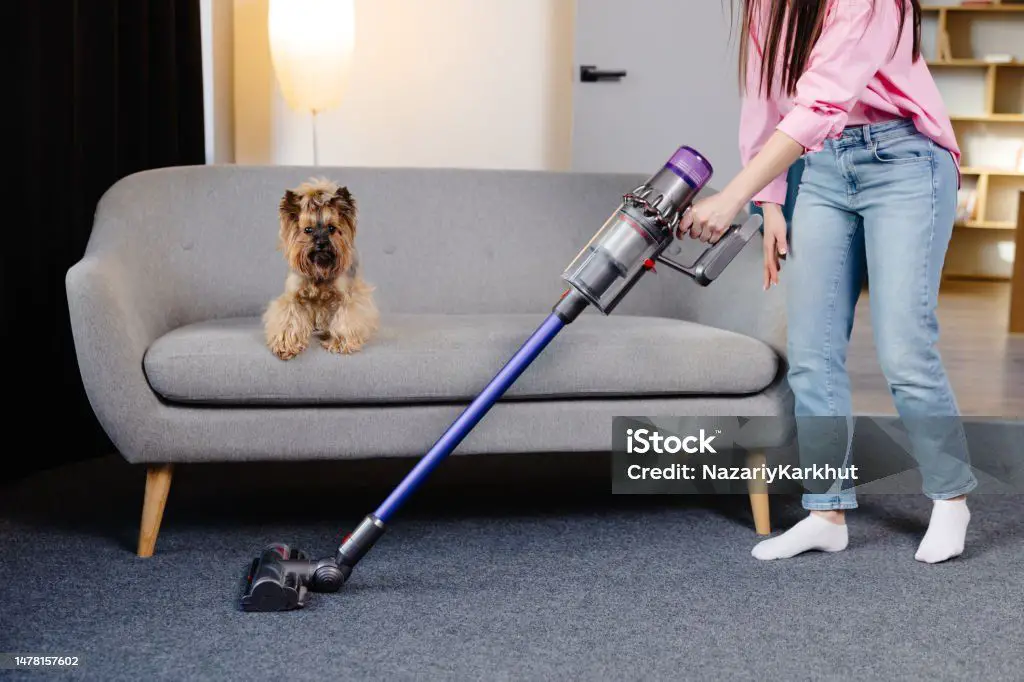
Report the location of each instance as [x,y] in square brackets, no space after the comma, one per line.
[709,218]
[775,244]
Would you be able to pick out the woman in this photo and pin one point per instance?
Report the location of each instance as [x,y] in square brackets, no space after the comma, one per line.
[842,84]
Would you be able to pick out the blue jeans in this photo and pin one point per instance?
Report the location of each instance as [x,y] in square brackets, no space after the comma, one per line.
[878,202]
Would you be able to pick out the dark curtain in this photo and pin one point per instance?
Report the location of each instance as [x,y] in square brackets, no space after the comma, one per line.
[104,88]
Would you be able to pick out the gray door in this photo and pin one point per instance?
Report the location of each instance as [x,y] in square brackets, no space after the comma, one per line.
[679,87]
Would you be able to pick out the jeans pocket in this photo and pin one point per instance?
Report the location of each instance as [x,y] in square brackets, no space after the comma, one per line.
[903,150]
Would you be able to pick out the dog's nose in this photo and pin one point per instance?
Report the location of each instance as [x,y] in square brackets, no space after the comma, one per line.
[322,244]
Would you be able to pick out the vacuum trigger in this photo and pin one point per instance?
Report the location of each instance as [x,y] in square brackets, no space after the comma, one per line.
[650,265]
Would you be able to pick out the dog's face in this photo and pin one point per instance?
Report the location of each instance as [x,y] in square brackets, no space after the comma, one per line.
[318,230]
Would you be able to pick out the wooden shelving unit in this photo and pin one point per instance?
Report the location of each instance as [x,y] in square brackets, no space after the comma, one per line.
[1017,283]
[995,7]
[985,100]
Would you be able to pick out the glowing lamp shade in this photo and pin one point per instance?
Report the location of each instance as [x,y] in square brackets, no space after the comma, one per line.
[311,45]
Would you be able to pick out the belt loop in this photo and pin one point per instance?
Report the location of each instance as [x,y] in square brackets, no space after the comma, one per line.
[867,133]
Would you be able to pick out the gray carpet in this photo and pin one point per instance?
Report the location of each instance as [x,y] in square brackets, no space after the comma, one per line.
[494,574]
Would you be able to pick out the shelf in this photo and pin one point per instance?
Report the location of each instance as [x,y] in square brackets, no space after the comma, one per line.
[989,225]
[991,118]
[999,172]
[971,63]
[961,8]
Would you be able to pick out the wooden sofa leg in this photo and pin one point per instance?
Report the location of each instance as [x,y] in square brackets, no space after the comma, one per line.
[158,484]
[758,491]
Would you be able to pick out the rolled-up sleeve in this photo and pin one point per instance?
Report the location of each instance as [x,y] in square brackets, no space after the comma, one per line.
[856,41]
[759,117]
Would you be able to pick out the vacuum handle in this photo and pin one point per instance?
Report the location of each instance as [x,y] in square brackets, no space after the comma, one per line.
[716,259]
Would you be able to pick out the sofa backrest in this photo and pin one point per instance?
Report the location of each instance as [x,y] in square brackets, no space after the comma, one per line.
[430,240]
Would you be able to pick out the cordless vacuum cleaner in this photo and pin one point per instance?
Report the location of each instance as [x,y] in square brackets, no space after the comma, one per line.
[625,248]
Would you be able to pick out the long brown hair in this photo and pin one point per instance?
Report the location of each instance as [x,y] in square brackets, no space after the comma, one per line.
[794,26]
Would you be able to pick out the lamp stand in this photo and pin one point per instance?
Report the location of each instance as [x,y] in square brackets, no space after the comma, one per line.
[316,153]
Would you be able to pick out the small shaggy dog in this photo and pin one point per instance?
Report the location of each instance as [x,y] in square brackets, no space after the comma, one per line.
[324,291]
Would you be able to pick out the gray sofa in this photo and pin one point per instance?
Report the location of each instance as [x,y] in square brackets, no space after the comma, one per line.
[165,310]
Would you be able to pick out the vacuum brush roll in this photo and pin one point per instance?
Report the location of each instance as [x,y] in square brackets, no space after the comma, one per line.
[277,580]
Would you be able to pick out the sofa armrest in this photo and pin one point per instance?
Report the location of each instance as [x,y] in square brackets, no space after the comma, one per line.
[115,316]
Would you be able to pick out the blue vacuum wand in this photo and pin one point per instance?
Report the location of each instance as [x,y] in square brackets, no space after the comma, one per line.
[623,250]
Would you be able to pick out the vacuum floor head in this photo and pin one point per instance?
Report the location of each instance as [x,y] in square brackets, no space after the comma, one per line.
[281,578]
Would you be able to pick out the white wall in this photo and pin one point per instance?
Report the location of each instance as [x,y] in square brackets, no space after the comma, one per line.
[441,83]
[217,25]
[206,27]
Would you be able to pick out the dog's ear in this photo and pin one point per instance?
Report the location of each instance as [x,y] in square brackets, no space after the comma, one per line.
[344,200]
[290,208]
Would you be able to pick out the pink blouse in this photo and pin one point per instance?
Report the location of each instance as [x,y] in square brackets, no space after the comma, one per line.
[852,79]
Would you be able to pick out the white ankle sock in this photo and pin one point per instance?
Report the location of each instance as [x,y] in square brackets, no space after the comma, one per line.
[813,533]
[947,530]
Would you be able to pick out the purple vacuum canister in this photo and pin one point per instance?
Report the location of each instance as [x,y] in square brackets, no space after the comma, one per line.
[691,166]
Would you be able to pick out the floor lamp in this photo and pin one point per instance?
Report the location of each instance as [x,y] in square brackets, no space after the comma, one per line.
[311,46]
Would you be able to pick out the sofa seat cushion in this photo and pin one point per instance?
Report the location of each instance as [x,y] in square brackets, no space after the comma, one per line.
[450,358]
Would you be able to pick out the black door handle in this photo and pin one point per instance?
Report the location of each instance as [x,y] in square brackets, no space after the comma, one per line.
[590,74]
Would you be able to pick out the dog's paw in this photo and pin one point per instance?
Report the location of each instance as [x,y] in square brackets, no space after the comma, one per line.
[286,349]
[344,346]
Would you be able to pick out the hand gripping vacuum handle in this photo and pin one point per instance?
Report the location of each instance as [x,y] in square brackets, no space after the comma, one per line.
[716,258]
